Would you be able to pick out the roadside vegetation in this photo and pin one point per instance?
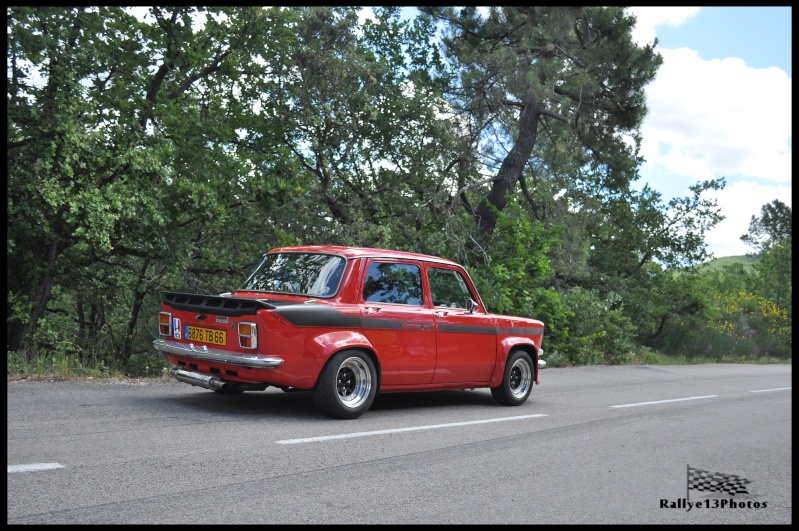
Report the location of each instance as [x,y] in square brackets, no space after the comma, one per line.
[736,327]
[169,152]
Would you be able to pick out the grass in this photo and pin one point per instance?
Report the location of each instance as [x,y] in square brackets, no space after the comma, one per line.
[66,367]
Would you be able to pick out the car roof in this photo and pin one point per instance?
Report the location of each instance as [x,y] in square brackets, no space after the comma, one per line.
[361,252]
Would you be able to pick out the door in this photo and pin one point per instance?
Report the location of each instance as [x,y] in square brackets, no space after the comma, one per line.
[466,341]
[395,321]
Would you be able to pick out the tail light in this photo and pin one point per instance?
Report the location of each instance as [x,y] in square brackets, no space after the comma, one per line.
[248,335]
[165,323]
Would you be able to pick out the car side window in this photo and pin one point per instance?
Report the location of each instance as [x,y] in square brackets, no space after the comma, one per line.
[394,283]
[448,288]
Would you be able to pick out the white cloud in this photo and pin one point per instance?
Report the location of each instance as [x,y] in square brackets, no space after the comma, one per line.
[739,202]
[140,12]
[648,18]
[716,118]
[364,14]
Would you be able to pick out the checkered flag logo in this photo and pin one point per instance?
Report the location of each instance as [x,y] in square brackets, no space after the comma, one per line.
[716,482]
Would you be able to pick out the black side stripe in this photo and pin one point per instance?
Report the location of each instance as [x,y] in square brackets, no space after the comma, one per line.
[519,331]
[313,315]
[467,329]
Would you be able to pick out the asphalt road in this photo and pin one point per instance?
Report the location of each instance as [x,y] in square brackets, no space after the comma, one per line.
[593,445]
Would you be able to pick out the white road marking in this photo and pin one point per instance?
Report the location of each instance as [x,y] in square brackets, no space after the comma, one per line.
[767,390]
[35,467]
[399,430]
[666,401]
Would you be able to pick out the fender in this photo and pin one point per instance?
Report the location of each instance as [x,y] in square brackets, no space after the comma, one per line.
[506,344]
[331,342]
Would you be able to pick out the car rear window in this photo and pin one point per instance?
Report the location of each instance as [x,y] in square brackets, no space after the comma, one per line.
[393,283]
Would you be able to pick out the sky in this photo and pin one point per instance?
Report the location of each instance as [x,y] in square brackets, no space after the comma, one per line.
[720,106]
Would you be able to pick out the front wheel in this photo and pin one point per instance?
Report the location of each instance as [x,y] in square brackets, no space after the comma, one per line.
[517,382]
[347,385]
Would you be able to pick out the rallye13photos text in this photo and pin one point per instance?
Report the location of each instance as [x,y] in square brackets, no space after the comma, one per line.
[346,323]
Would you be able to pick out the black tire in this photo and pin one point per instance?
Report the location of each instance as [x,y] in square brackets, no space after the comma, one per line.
[230,388]
[347,385]
[517,382]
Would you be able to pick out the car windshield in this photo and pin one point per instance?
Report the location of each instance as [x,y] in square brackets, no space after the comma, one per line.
[313,274]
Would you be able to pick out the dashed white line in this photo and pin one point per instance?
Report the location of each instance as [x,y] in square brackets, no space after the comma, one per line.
[35,467]
[666,401]
[399,430]
[769,390]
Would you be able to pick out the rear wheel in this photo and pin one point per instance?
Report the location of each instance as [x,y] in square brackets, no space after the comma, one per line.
[347,385]
[517,382]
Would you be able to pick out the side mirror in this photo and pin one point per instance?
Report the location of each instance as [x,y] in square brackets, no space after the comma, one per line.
[471,305]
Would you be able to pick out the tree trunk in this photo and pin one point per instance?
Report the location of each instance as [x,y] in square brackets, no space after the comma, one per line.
[510,171]
[20,332]
[138,300]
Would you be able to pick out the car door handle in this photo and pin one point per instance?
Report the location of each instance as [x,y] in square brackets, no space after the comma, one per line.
[371,309]
[442,313]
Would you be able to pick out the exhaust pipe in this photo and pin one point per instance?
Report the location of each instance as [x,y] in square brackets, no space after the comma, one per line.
[209,381]
[206,381]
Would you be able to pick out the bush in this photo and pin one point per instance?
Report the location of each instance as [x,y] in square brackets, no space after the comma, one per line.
[600,333]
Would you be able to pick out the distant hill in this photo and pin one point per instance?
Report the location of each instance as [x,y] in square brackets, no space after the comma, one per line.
[719,263]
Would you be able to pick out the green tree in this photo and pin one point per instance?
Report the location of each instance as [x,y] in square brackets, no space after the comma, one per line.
[773,226]
[124,148]
[367,128]
[771,236]
[167,152]
[773,274]
[533,77]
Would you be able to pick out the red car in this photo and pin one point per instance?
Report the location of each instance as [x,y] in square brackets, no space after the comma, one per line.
[346,323]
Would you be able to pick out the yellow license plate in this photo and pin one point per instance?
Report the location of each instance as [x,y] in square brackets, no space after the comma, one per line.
[206,335]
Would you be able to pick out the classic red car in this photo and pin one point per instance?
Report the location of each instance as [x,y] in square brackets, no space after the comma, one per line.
[346,323]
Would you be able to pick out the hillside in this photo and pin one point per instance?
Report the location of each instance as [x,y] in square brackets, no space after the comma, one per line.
[719,263]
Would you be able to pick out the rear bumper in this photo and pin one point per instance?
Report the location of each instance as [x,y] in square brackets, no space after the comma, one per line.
[252,361]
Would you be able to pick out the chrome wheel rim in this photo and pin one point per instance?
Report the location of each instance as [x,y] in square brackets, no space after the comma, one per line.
[353,382]
[520,378]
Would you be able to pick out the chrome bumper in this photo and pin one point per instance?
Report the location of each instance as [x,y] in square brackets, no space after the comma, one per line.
[541,363]
[252,361]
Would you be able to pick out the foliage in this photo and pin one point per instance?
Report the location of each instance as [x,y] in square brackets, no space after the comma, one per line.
[772,227]
[511,282]
[601,333]
[367,129]
[104,194]
[168,152]
[716,264]
[737,320]
[773,276]
[742,327]
[535,84]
